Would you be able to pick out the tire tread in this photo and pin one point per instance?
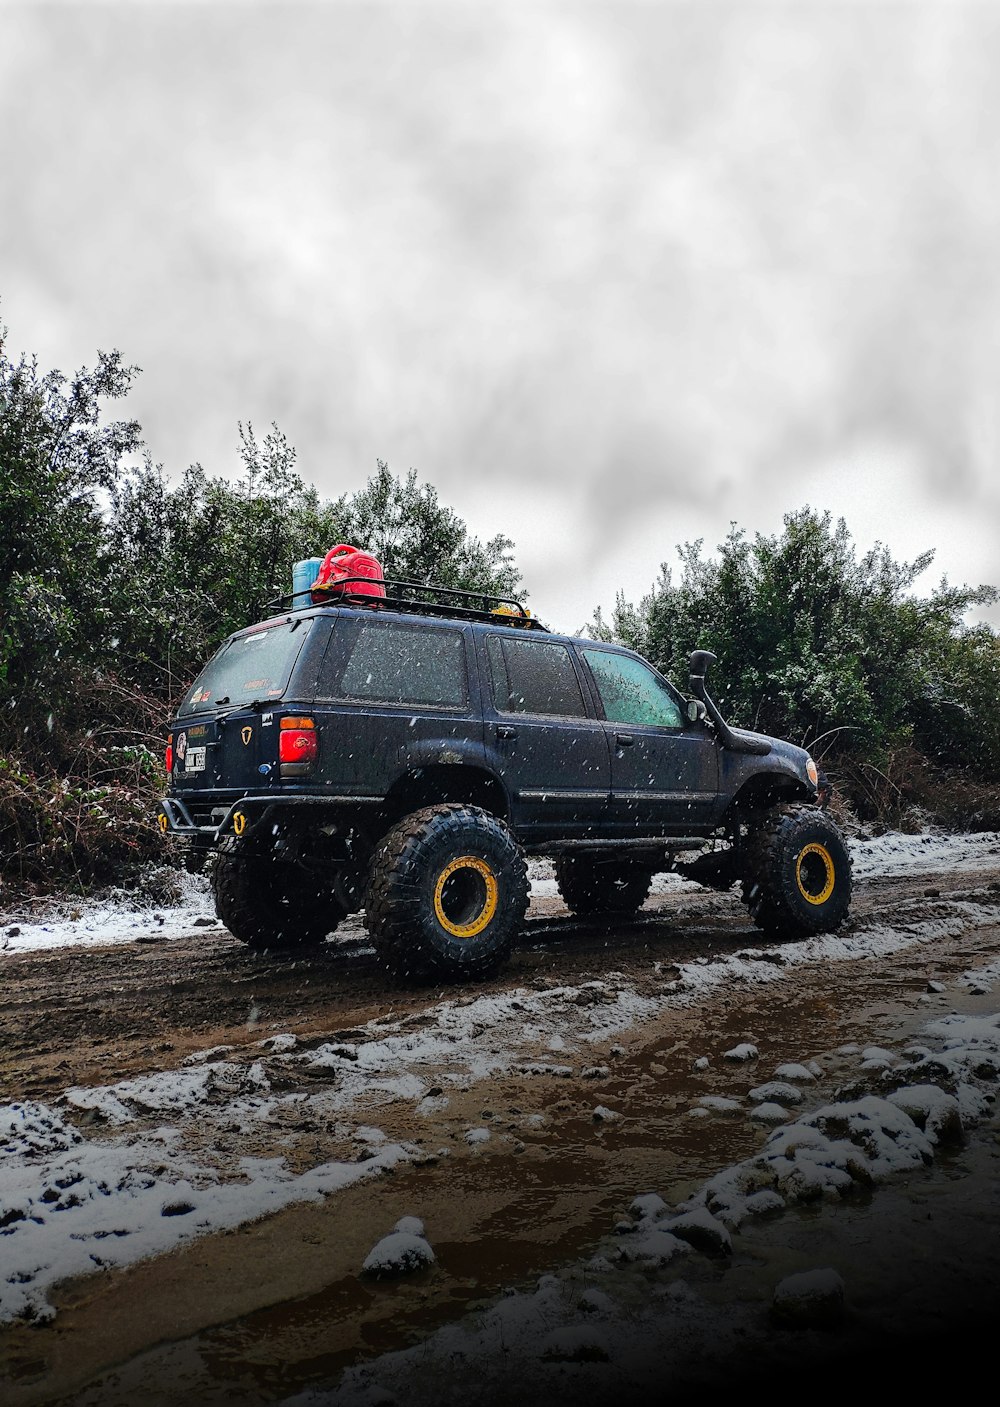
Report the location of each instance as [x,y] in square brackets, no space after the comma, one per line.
[394,888]
[768,887]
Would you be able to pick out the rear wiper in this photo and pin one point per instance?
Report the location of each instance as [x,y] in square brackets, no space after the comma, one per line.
[254,703]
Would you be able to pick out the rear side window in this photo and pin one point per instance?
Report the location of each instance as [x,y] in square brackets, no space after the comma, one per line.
[631,692]
[398,664]
[255,666]
[534,676]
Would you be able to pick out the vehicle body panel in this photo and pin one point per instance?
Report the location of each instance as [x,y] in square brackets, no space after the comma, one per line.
[574,777]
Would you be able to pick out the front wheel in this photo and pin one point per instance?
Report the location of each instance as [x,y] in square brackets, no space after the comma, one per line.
[796,872]
[447,895]
[272,906]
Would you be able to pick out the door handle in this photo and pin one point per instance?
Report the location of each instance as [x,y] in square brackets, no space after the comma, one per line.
[624,739]
[505,731]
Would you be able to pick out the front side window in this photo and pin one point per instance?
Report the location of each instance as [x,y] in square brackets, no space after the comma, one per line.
[402,664]
[534,676]
[252,667]
[631,692]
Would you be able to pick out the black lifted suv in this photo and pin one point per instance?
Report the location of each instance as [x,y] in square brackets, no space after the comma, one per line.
[406,753]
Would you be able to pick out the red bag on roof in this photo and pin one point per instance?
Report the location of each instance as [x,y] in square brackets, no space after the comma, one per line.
[341,564]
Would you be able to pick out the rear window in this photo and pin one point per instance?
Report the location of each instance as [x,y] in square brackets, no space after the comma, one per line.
[398,664]
[252,667]
[534,676]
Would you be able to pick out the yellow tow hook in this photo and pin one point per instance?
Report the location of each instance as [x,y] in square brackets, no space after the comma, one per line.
[163,822]
[239,823]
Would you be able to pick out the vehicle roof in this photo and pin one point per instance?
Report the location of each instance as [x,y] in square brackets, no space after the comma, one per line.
[421,619]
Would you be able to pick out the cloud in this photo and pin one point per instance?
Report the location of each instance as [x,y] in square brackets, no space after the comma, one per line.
[608,275]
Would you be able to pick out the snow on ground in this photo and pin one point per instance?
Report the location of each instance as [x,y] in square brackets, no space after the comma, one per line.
[606,1314]
[151,1171]
[922,921]
[123,917]
[895,854]
[104,1190]
[70,1205]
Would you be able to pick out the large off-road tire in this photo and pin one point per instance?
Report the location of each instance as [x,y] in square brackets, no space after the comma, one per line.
[796,872]
[447,894]
[589,886]
[272,906]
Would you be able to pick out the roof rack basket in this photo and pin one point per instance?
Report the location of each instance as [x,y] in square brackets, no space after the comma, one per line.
[412,597]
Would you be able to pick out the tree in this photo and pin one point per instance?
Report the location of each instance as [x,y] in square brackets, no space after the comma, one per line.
[193,562]
[60,458]
[199,559]
[816,643]
[417,538]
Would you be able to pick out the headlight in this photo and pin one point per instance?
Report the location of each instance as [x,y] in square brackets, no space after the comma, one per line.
[812,772]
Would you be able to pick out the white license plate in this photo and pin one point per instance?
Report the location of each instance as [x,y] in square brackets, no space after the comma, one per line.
[195,760]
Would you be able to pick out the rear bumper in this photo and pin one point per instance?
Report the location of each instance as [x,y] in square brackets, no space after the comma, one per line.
[244,815]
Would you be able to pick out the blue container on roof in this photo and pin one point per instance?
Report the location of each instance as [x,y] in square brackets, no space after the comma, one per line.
[304,573]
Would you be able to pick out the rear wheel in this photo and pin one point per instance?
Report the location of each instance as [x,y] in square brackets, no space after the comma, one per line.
[447,895]
[269,906]
[797,872]
[591,886]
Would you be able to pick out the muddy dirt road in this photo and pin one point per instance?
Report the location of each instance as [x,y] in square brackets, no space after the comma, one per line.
[517,1119]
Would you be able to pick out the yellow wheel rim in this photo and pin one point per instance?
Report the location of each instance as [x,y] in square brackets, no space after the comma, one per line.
[815,873]
[466,896]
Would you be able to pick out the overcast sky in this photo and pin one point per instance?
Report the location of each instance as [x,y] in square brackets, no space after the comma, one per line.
[608,275]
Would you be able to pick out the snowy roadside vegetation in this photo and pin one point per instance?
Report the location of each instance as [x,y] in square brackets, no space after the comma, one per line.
[169,904]
[106,1175]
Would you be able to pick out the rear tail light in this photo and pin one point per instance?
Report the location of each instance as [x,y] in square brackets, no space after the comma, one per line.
[298,746]
[168,759]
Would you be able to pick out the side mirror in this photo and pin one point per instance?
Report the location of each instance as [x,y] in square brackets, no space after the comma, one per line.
[696,710]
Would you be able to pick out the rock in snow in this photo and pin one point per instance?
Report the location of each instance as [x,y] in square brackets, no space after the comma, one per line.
[703,1231]
[399,1253]
[647,1206]
[770,1113]
[777,1091]
[932,1110]
[655,1247]
[410,1226]
[720,1104]
[744,1051]
[813,1299]
[796,1072]
[760,1203]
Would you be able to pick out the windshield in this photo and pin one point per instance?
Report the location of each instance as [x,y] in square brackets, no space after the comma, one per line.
[252,667]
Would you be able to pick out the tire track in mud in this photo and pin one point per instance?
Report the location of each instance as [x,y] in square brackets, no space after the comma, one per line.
[94,1015]
[279,1304]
